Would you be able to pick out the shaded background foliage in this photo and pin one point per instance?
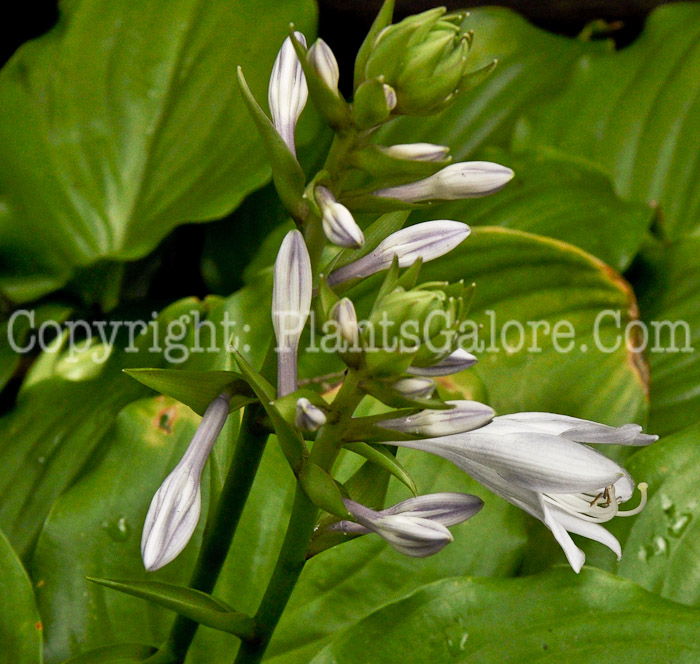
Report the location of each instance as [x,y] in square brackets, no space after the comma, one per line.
[604,143]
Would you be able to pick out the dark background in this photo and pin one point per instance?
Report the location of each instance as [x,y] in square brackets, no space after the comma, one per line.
[344,22]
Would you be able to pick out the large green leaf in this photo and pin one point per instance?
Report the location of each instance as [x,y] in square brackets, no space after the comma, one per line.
[662,547]
[560,197]
[123,122]
[20,624]
[533,66]
[635,113]
[94,529]
[58,422]
[557,617]
[668,302]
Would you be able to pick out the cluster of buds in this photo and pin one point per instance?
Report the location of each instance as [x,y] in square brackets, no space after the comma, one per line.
[540,462]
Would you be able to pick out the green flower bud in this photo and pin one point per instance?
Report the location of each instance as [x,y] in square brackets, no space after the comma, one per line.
[423,58]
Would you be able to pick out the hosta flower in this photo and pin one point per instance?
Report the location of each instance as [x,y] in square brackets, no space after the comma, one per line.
[415,388]
[469,179]
[416,527]
[322,59]
[308,417]
[291,302]
[417,151]
[174,511]
[428,240]
[464,416]
[287,92]
[452,364]
[539,462]
[338,223]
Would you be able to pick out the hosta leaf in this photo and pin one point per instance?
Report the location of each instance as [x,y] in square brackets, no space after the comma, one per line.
[635,112]
[94,529]
[557,617]
[122,654]
[20,625]
[668,288]
[125,121]
[560,197]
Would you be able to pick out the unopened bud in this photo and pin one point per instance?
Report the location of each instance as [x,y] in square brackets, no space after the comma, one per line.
[465,416]
[452,364]
[291,302]
[469,179]
[427,241]
[174,511]
[323,61]
[343,312]
[338,223]
[390,96]
[415,388]
[308,417]
[417,151]
[287,92]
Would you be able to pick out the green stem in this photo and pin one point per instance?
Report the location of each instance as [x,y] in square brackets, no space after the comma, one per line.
[221,529]
[302,522]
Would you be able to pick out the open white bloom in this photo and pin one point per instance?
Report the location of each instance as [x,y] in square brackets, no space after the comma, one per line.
[452,364]
[465,416]
[322,59]
[338,223]
[428,240]
[464,180]
[416,527]
[174,511]
[308,417]
[287,92]
[417,151]
[538,462]
[291,302]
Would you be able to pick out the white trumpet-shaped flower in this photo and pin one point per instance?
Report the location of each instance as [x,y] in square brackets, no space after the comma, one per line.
[338,223]
[539,462]
[288,92]
[416,527]
[291,302]
[307,416]
[452,364]
[428,240]
[464,180]
[174,511]
[417,151]
[322,59]
[464,416]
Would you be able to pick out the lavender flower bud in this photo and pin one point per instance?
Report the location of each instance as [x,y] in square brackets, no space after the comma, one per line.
[343,312]
[415,388]
[174,511]
[308,417]
[417,151]
[287,92]
[338,223]
[465,416]
[323,61]
[291,302]
[428,240]
[452,364]
[465,180]
[390,96]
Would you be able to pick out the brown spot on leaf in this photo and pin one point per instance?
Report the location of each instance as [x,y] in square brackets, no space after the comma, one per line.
[166,419]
